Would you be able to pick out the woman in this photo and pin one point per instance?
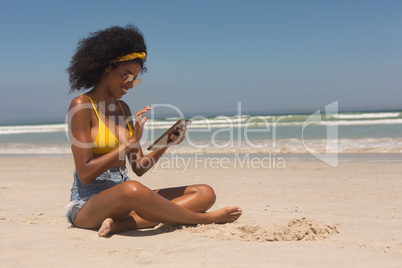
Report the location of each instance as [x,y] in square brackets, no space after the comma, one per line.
[103,136]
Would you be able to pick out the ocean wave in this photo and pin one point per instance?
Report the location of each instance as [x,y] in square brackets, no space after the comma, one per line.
[361,122]
[236,121]
[366,115]
[172,118]
[384,145]
[204,124]
[285,124]
[367,145]
[6,130]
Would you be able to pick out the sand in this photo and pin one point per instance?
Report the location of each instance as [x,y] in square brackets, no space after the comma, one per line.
[306,214]
[295,230]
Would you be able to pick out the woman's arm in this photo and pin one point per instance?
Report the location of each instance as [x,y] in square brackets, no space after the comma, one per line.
[141,163]
[88,167]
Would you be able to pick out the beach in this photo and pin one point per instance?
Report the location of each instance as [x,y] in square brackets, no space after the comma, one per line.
[293,113]
[295,214]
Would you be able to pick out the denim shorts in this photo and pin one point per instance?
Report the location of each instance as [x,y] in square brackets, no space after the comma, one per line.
[81,193]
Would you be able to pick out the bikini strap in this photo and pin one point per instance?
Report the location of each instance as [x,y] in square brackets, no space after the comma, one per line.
[93,106]
[129,127]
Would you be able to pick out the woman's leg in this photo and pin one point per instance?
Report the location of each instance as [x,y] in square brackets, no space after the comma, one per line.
[119,201]
[197,198]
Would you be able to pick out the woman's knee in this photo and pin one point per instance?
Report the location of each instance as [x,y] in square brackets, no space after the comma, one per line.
[207,193]
[134,190]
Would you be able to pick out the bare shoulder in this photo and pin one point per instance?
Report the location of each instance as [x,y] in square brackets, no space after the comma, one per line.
[80,105]
[79,100]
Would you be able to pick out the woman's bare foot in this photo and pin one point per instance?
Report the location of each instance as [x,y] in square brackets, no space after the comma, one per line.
[223,215]
[106,227]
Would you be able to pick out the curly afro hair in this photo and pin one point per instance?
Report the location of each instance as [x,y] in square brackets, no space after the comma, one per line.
[95,53]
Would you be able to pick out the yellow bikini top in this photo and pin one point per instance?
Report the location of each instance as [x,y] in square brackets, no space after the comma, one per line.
[105,140]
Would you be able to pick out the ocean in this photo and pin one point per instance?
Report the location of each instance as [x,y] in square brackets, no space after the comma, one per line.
[342,133]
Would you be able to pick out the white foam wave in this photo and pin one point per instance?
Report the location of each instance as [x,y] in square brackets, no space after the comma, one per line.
[5,130]
[362,122]
[366,115]
[384,145]
[285,124]
[222,122]
[366,145]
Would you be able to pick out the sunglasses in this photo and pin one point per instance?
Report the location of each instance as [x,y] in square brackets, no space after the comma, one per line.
[131,78]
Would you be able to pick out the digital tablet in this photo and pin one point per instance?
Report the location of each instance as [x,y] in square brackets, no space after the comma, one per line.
[164,138]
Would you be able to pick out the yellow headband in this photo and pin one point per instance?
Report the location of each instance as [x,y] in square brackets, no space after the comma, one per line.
[131,56]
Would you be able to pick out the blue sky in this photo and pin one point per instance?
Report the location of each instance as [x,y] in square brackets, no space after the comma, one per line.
[205,56]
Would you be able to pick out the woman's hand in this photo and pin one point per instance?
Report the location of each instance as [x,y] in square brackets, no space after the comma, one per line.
[177,137]
[139,125]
